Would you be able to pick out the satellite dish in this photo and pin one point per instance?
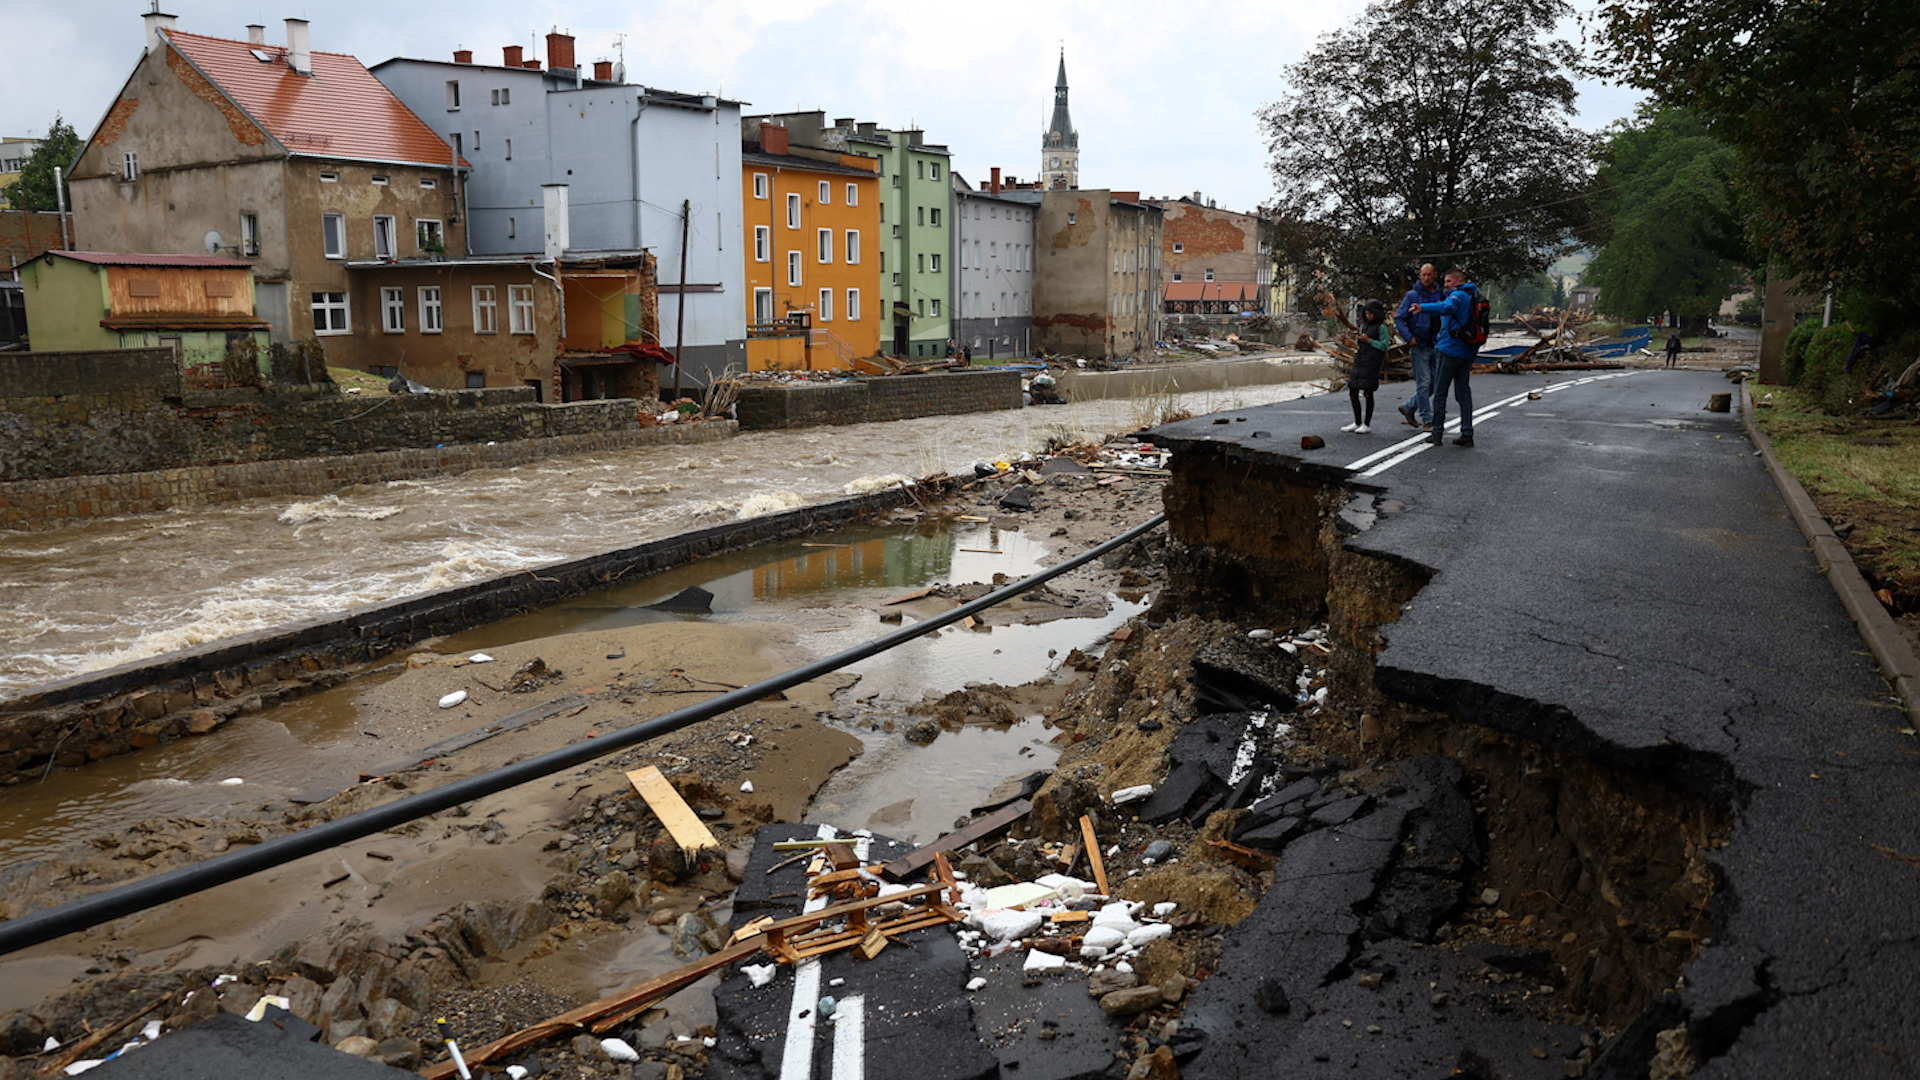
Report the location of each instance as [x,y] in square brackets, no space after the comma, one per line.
[213,241]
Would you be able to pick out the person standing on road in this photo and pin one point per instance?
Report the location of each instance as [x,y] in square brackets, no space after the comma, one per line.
[1418,330]
[1453,355]
[1673,347]
[1369,356]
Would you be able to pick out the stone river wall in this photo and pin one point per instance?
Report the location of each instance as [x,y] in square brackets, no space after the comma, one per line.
[862,401]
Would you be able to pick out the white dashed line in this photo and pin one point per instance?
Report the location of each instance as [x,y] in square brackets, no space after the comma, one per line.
[850,1039]
[1408,449]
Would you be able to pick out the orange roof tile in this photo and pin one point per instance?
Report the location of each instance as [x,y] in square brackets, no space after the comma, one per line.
[340,111]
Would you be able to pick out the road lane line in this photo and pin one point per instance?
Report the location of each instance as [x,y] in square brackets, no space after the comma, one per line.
[796,1061]
[850,1039]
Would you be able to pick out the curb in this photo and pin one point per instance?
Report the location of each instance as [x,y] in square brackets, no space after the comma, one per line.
[1889,648]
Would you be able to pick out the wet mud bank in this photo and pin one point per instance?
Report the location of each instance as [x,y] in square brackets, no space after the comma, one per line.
[153,702]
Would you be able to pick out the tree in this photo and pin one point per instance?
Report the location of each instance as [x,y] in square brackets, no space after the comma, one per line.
[1520,296]
[1819,99]
[1429,135]
[1672,233]
[34,189]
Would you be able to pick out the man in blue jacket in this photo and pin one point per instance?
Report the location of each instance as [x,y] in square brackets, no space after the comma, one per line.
[1453,358]
[1418,329]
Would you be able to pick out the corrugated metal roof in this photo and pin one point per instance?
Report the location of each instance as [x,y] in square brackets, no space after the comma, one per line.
[1231,291]
[118,258]
[339,111]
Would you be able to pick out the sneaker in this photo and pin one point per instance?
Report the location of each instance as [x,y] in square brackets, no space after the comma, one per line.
[1349,427]
[1435,439]
[1411,419]
[1363,429]
[1428,426]
[1464,440]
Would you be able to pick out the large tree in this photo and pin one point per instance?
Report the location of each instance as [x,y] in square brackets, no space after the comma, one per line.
[34,189]
[1822,100]
[1430,133]
[1672,236]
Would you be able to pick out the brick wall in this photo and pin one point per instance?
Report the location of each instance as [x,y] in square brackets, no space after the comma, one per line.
[860,401]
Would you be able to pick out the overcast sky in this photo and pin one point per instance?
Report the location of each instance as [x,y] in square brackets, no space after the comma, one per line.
[1163,96]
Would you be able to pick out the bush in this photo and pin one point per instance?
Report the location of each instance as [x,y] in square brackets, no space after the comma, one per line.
[1795,359]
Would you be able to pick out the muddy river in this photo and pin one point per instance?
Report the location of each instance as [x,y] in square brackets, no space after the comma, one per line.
[116,590]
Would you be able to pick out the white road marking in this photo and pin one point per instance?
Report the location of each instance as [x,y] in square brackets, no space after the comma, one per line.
[1409,449]
[850,1039]
[796,1061]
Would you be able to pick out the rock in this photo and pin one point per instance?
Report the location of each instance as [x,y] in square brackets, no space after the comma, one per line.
[1158,1065]
[1137,999]
[1102,983]
[587,1048]
[1159,851]
[399,1052]
[921,731]
[666,861]
[1371,980]
[358,1046]
[983,871]
[615,888]
[388,1017]
[1172,989]
[337,1003]
[201,721]
[690,934]
[1340,811]
[1017,499]
[202,1004]
[1272,836]
[1271,997]
[303,997]
[736,863]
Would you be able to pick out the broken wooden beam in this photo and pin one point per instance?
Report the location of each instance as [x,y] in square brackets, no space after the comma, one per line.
[1094,861]
[919,858]
[682,823]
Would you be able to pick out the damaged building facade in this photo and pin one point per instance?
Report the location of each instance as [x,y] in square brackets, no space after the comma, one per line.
[1214,261]
[993,271]
[1096,271]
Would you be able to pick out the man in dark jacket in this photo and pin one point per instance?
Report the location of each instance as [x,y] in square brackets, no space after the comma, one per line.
[1673,347]
[1418,329]
[1453,358]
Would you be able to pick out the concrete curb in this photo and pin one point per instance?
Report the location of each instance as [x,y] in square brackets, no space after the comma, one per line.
[1898,663]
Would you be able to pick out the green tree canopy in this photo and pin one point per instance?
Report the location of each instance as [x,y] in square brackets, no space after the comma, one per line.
[1820,99]
[1672,234]
[1424,134]
[1520,296]
[34,189]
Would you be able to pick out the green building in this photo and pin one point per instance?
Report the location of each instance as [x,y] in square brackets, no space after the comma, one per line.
[199,304]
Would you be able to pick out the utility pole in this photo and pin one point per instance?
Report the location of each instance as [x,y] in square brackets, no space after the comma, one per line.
[680,319]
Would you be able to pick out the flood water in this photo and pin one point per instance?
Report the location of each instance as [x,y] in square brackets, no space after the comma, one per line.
[115,590]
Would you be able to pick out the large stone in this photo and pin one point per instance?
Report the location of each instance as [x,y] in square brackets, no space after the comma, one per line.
[1102,983]
[1137,999]
[615,888]
[358,1046]
[303,997]
[387,1017]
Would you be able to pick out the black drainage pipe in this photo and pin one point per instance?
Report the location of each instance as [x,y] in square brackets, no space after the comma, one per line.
[75,915]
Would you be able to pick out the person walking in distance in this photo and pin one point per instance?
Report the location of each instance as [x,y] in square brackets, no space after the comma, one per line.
[1673,347]
[1369,356]
[1418,329]
[1463,329]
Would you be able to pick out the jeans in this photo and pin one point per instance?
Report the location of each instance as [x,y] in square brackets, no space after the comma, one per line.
[1452,370]
[1422,401]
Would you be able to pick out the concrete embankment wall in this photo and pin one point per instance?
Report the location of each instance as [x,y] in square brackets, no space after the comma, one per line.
[1186,378]
[105,713]
[892,397]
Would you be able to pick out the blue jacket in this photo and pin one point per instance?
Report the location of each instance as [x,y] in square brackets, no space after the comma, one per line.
[1453,314]
[1420,328]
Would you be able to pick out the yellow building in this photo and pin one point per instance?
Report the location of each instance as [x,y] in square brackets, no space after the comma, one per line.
[814,298]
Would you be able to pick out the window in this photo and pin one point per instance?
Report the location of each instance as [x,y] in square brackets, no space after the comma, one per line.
[825,313]
[933,263]
[933,170]
[1178,276]
[853,195]
[935,216]
[329,177]
[503,96]
[762,243]
[520,309]
[430,322]
[333,234]
[378,181]
[485,310]
[249,234]
[793,210]
[330,313]
[935,302]
[853,305]
[426,234]
[823,245]
[896,179]
[793,268]
[1178,247]
[919,215]
[393,311]
[1209,273]
[1071,217]
[476,380]
[920,262]
[383,236]
[923,307]
[509,145]
[428,183]
[896,232]
[453,95]
[130,166]
[826,193]
[896,277]
[759,185]
[510,228]
[762,306]
[993,250]
[853,247]
[920,170]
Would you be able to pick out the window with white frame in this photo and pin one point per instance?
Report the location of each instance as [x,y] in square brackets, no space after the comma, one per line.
[427,236]
[762,243]
[853,305]
[933,263]
[823,245]
[428,183]
[896,232]
[1209,276]
[853,247]
[330,314]
[383,234]
[896,277]
[486,315]
[329,177]
[825,311]
[826,192]
[393,311]
[933,170]
[935,302]
[759,185]
[453,95]
[793,209]
[762,306]
[333,235]
[853,195]
[793,268]
[520,309]
[130,166]
[430,314]
[249,234]
[933,216]
[380,180]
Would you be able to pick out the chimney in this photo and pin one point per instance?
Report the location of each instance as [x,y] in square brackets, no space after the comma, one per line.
[156,21]
[560,51]
[1198,200]
[256,34]
[463,56]
[773,138]
[531,65]
[843,122]
[512,53]
[994,185]
[603,70]
[299,56]
[559,230]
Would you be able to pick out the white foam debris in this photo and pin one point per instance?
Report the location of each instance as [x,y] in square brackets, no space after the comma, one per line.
[1140,938]
[976,983]
[517,1072]
[1043,961]
[453,699]
[232,781]
[747,786]
[1131,794]
[1260,635]
[1003,925]
[479,658]
[1162,910]
[1104,937]
[760,974]
[868,485]
[769,502]
[619,1050]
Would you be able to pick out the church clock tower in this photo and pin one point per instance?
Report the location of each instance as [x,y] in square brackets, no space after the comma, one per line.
[1060,146]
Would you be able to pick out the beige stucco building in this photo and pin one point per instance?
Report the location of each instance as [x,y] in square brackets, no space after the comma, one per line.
[1096,272]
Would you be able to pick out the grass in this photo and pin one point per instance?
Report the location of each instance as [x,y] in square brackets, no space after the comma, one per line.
[349,377]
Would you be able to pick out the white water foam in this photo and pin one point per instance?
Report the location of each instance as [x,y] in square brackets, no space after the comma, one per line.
[867,485]
[769,502]
[330,508]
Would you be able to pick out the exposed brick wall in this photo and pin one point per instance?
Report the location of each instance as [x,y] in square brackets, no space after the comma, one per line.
[24,234]
[860,401]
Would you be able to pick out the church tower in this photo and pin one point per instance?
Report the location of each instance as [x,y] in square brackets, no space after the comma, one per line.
[1060,146]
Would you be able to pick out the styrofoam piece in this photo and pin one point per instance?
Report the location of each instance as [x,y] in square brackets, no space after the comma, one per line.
[976,982]
[1002,924]
[453,699]
[760,974]
[1103,937]
[479,658]
[1018,894]
[1162,910]
[1139,938]
[619,1050]
[1131,794]
[1043,961]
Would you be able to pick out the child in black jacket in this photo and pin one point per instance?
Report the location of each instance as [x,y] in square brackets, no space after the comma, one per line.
[1369,356]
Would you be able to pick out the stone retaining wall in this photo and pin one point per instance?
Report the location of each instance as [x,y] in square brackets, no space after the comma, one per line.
[861,401]
[150,702]
[44,504]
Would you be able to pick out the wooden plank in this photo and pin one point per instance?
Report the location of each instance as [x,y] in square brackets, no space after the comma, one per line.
[904,597]
[1093,854]
[1072,916]
[1244,856]
[970,517]
[919,858]
[871,945]
[815,918]
[686,827]
[1069,855]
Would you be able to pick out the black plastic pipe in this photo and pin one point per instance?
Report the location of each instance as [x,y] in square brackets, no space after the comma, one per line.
[30,930]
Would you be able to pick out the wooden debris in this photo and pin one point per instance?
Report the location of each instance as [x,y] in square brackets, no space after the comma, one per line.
[919,858]
[970,517]
[1093,854]
[871,944]
[86,1044]
[1072,916]
[752,929]
[914,595]
[1069,855]
[685,826]
[1242,856]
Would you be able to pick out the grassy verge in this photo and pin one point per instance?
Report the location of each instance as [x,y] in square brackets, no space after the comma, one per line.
[350,377]
[1864,474]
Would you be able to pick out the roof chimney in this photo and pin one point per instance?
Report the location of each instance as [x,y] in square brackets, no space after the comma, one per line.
[531,65]
[773,138]
[512,53]
[559,51]
[558,219]
[156,21]
[299,56]
[256,34]
[603,70]
[994,185]
[463,56]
